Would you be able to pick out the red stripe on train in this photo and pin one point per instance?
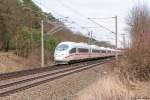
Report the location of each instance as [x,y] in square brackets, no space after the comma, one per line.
[81,54]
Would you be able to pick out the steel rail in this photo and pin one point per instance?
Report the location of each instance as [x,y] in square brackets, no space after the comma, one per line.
[11,86]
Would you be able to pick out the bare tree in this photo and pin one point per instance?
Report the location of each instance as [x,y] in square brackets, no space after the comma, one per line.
[139,28]
[139,24]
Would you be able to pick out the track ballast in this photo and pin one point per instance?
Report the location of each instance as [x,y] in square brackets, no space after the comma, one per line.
[18,81]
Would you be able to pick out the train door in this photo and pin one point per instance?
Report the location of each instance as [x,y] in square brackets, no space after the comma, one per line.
[73,54]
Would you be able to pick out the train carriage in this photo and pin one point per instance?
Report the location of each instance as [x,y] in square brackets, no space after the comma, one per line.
[71,51]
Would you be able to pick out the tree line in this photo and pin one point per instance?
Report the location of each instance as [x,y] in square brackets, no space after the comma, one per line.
[20,26]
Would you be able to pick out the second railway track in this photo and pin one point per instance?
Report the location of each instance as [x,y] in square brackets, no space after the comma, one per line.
[28,79]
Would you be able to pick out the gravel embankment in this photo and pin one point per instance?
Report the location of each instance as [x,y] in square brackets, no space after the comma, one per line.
[65,88]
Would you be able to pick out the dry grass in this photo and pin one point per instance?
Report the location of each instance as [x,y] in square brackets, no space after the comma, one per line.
[9,62]
[107,88]
[111,87]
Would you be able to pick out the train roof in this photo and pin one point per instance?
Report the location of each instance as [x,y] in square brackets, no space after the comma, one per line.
[85,45]
[67,42]
[81,44]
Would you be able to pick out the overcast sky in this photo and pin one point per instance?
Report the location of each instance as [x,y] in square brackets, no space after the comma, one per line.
[79,11]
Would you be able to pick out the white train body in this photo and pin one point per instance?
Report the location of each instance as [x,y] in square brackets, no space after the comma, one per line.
[71,51]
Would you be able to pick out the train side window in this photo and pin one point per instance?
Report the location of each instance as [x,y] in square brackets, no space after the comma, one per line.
[73,50]
[62,47]
[109,51]
[103,51]
[83,50]
[95,51]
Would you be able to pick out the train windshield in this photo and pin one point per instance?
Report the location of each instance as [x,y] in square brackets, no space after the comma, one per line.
[62,47]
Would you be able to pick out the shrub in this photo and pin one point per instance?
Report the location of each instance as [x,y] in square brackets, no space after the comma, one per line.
[26,40]
[50,43]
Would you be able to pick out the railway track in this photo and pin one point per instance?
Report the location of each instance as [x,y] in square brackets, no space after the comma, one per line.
[11,83]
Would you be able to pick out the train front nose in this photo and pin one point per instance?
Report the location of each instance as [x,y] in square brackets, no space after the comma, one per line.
[61,52]
[59,56]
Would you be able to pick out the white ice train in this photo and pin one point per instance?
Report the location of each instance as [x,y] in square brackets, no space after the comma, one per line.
[71,51]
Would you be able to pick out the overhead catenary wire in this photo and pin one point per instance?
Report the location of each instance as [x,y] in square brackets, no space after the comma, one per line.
[75,11]
[101,25]
[81,16]
[39,3]
[103,18]
[48,8]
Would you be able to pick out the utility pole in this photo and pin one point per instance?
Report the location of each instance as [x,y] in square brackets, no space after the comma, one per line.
[42,44]
[116,33]
[128,43]
[116,55]
[91,37]
[124,41]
